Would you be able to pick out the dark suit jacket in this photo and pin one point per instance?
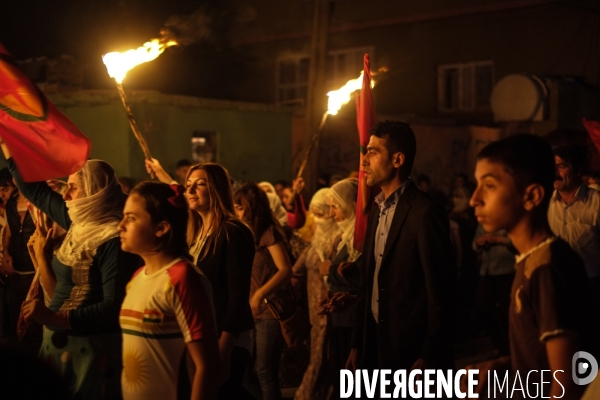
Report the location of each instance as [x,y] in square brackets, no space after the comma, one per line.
[415,284]
[229,270]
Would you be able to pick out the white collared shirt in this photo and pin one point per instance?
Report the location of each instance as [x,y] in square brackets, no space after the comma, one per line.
[578,223]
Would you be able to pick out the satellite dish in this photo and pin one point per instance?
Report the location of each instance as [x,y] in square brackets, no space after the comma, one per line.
[519,97]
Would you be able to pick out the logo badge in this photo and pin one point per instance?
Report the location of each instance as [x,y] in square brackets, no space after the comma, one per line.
[584,367]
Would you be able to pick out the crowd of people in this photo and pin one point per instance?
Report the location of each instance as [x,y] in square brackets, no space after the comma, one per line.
[192,287]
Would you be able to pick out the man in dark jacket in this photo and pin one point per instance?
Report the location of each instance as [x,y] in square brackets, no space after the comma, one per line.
[407,267]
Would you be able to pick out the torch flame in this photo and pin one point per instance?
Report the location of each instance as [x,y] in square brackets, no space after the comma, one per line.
[337,98]
[118,64]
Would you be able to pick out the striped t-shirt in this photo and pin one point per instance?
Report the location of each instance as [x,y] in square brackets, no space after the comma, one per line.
[160,314]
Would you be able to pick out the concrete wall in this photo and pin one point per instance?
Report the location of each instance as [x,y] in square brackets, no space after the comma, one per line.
[413,37]
[254,140]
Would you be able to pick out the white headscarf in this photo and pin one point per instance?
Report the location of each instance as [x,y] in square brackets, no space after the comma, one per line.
[344,193]
[327,228]
[277,208]
[95,216]
[268,185]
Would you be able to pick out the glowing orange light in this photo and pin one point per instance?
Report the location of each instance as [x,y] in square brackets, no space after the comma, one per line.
[337,98]
[118,64]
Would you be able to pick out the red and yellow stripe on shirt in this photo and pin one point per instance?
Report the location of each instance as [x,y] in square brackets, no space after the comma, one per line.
[152,325]
[172,303]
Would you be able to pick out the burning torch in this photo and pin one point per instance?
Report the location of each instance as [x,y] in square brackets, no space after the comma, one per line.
[337,98]
[118,64]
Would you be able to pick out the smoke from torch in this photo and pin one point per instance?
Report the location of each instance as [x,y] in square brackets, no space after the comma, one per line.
[188,29]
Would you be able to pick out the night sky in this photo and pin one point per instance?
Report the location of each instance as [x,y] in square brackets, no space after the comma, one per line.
[87,29]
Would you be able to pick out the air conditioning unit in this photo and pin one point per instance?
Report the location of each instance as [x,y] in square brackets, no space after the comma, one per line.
[520,97]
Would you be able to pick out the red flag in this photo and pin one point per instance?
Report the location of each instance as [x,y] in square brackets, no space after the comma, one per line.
[365,120]
[43,142]
[593,129]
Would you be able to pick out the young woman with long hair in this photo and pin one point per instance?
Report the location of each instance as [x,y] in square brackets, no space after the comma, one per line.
[223,249]
[271,270]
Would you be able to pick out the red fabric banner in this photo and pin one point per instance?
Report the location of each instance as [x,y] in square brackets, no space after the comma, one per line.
[43,142]
[593,129]
[365,120]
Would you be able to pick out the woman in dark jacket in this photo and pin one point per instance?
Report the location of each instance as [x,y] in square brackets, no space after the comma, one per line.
[223,249]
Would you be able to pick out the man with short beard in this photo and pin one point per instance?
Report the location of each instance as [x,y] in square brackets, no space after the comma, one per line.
[404,309]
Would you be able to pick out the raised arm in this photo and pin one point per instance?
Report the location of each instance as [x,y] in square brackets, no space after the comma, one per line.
[299,207]
[153,166]
[40,251]
[42,196]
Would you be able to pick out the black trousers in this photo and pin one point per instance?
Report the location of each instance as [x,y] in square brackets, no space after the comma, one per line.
[338,349]
[233,388]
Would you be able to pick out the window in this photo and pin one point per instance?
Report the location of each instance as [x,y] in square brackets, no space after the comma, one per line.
[465,87]
[204,146]
[292,79]
[341,66]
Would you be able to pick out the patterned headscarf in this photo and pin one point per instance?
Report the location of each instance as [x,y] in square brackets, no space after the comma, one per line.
[327,229]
